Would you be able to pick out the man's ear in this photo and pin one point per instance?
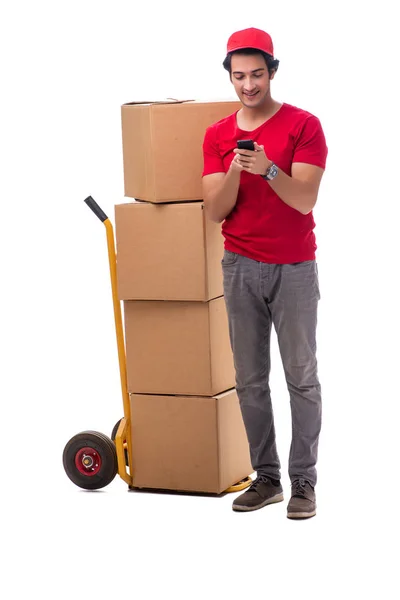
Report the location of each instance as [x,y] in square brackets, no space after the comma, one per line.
[272,74]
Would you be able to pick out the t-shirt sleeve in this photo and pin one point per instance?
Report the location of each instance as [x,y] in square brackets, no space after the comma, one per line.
[212,160]
[310,144]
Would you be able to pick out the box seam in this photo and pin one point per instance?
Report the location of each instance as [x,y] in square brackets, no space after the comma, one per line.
[218,433]
[210,348]
[206,274]
[148,157]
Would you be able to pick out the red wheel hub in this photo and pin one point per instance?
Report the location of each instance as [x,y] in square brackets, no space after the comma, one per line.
[88,461]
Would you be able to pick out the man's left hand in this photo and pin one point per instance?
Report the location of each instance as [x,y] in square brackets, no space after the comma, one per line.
[254,161]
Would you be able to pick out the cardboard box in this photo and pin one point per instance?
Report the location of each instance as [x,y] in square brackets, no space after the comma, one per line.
[188,444]
[178,347]
[168,252]
[162,147]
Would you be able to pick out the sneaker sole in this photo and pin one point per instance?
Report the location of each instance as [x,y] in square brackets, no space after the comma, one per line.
[301,515]
[240,508]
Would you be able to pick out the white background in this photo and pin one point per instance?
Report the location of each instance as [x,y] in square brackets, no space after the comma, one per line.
[66,68]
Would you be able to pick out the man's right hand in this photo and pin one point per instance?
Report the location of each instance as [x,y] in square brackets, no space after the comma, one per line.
[235,164]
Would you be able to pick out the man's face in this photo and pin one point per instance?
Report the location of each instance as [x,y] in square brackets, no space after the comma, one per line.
[250,79]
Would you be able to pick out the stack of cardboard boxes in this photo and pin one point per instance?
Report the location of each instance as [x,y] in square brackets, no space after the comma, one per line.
[186,427]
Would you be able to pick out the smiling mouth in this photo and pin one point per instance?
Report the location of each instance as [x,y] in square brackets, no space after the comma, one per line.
[250,95]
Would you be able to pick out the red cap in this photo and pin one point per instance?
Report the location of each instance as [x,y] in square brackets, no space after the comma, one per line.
[251,38]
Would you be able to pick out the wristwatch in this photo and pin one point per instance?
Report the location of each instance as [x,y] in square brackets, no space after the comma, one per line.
[271,172]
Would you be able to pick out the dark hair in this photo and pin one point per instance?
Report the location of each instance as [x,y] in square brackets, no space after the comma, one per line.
[271,62]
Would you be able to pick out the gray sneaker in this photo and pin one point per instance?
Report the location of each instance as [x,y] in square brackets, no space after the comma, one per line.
[262,491]
[302,504]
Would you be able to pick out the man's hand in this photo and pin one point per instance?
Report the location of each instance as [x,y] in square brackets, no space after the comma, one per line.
[255,162]
[236,165]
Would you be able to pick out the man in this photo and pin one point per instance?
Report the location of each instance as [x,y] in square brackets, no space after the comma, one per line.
[265,199]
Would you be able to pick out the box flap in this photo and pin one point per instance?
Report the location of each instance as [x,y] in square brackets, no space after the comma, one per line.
[166,101]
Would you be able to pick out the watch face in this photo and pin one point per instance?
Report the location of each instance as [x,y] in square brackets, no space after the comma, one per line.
[273,172]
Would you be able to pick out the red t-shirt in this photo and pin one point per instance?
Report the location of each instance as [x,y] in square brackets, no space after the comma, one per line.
[261,226]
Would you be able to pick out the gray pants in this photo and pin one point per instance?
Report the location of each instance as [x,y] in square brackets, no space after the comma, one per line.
[258,295]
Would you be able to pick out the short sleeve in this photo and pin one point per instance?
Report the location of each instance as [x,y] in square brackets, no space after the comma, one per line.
[212,160]
[310,144]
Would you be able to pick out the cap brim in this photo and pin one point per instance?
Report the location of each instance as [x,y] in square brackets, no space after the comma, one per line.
[245,47]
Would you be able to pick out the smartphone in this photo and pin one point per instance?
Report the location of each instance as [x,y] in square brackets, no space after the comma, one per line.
[245,144]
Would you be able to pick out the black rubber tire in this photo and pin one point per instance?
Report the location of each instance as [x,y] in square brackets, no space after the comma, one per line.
[104,447]
[114,435]
[115,429]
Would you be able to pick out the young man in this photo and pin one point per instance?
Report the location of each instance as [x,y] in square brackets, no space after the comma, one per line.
[265,199]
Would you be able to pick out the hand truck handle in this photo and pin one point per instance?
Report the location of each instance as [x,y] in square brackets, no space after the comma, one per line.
[92,204]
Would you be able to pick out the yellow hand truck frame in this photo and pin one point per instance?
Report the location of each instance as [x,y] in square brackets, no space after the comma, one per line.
[91,459]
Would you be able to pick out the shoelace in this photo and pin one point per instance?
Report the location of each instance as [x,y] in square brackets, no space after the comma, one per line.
[257,481]
[300,488]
